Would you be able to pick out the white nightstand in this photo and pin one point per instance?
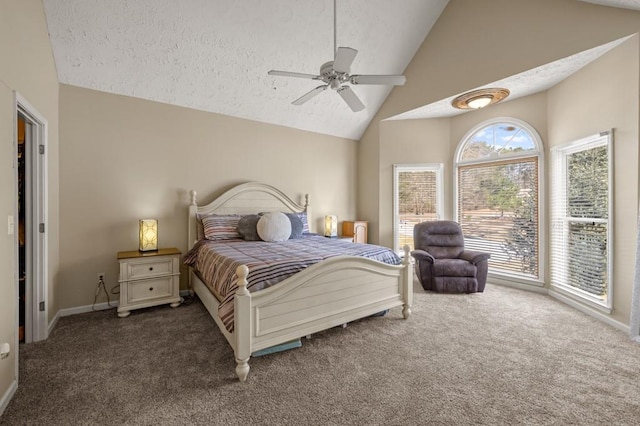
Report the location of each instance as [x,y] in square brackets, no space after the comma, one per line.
[148,279]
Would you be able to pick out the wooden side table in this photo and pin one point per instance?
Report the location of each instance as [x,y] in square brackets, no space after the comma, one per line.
[148,279]
[355,229]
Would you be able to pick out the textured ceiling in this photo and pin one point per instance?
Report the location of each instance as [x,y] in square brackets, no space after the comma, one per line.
[625,4]
[213,55]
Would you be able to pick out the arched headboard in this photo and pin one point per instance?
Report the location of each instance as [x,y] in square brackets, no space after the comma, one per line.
[246,198]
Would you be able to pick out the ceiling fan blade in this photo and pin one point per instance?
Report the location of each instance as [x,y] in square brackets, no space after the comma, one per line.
[351,98]
[310,94]
[294,74]
[394,80]
[344,58]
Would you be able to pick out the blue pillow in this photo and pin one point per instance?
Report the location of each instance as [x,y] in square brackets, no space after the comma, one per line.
[296,225]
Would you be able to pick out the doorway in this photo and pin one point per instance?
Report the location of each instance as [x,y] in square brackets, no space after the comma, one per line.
[31,191]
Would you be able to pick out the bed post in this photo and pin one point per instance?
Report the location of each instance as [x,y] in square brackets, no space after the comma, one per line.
[242,318]
[192,231]
[307,209]
[407,284]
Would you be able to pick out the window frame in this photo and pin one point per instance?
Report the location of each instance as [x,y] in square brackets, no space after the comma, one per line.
[504,277]
[559,159]
[438,168]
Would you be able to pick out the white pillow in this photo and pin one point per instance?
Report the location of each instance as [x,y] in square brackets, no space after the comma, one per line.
[274,227]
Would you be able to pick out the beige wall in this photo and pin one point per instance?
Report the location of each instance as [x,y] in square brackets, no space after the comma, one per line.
[414,142]
[27,67]
[602,96]
[435,141]
[463,52]
[124,159]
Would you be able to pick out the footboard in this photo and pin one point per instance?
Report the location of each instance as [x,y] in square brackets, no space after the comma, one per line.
[327,294]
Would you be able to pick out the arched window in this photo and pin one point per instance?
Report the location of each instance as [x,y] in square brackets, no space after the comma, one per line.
[498,200]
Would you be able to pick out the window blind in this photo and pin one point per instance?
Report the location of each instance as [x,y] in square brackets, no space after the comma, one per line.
[581,228]
[416,200]
[498,212]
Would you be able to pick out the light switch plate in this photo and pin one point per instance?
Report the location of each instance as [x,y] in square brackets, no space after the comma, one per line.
[11,225]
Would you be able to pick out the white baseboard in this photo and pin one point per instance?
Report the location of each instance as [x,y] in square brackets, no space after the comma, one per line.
[90,308]
[592,313]
[86,308]
[53,323]
[6,398]
[519,286]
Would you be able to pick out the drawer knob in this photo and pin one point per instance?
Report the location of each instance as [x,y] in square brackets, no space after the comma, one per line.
[151,268]
[150,288]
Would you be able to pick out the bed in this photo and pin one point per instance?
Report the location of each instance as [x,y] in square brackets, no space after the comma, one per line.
[328,293]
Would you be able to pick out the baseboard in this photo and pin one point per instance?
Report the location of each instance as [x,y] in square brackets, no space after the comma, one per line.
[53,323]
[6,398]
[90,308]
[519,286]
[594,314]
[87,308]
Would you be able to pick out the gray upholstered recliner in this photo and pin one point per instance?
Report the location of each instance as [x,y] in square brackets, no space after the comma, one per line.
[442,263]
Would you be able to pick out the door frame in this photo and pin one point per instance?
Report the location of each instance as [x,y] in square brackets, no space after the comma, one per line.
[36,201]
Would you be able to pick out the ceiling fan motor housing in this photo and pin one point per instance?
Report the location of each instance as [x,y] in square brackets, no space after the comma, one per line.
[330,76]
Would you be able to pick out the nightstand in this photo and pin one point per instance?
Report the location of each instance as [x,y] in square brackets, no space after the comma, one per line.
[356,230]
[148,279]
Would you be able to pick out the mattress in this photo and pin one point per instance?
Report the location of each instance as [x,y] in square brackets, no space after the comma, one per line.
[269,263]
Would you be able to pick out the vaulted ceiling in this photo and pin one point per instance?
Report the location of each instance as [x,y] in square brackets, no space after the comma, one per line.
[214,55]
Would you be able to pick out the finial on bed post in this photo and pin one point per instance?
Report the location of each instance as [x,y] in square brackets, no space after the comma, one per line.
[306,201]
[407,255]
[193,197]
[242,272]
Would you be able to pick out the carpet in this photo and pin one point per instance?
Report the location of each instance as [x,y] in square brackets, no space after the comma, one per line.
[501,357]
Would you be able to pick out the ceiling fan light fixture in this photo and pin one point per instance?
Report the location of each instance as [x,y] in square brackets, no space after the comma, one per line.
[481,98]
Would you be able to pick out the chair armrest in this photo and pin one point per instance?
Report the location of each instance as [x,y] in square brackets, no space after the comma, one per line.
[474,256]
[422,255]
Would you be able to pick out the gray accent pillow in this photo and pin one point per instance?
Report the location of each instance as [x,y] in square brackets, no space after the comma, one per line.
[296,225]
[248,227]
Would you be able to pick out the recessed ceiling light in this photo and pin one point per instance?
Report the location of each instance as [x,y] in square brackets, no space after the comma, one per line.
[480,98]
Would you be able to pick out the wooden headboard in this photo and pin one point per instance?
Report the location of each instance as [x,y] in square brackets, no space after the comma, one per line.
[246,198]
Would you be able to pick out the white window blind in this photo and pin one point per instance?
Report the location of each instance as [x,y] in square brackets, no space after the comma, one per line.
[581,218]
[417,198]
[498,212]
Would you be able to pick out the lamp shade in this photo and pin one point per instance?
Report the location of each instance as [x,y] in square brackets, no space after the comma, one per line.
[331,226]
[148,234]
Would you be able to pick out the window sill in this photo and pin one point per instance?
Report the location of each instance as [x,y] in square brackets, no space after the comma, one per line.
[579,298]
[514,280]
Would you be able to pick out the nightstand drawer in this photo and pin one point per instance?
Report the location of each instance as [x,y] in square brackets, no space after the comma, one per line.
[145,290]
[137,270]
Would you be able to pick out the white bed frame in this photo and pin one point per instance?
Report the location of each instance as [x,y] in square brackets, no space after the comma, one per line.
[325,295]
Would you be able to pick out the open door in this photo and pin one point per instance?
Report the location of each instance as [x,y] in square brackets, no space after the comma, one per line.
[31,224]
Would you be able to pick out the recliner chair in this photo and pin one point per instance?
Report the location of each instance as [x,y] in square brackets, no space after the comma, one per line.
[442,263]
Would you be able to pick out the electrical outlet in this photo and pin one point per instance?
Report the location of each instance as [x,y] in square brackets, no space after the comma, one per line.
[100,276]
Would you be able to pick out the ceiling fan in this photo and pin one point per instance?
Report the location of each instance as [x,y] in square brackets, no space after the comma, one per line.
[336,75]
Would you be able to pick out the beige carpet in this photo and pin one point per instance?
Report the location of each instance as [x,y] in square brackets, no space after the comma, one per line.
[502,357]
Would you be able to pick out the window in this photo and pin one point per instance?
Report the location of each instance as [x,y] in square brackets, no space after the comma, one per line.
[581,219]
[498,198]
[417,195]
